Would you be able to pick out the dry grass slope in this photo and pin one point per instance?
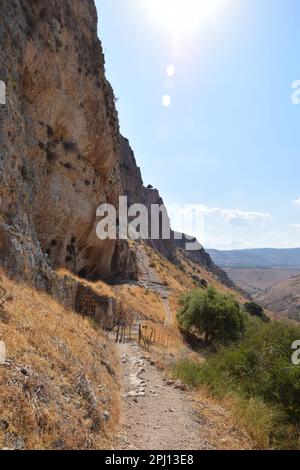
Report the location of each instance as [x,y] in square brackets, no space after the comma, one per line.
[59,385]
[143,302]
[99,287]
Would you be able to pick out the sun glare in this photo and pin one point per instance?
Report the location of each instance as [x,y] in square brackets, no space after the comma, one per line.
[166,101]
[170,71]
[183,15]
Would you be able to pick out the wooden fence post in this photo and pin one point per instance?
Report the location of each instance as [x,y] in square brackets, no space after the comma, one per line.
[117,335]
[129,334]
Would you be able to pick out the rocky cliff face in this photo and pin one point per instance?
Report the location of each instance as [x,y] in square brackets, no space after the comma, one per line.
[201,257]
[59,141]
[136,192]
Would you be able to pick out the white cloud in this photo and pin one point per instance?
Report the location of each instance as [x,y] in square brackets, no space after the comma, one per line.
[228,215]
[296,226]
[220,227]
[297,202]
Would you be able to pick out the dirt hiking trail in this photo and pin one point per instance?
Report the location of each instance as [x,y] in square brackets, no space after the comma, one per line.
[158,415]
[155,416]
[149,279]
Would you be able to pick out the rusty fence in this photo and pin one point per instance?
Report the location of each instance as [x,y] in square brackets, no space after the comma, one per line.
[146,335]
[151,335]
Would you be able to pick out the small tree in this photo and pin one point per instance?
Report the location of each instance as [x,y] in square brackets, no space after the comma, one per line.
[256,310]
[213,314]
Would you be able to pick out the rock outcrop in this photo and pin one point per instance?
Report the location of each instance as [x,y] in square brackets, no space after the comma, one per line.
[200,256]
[136,192]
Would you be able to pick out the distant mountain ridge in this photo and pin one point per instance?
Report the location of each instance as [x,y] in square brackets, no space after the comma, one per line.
[257,257]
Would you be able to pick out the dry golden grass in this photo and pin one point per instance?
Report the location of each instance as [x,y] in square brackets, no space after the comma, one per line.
[191,268]
[101,288]
[60,377]
[139,300]
[222,414]
[244,423]
[163,336]
[170,274]
[174,303]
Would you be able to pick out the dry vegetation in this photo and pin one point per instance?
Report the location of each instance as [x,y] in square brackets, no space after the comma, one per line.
[227,429]
[257,280]
[191,268]
[163,336]
[174,277]
[100,288]
[143,302]
[59,385]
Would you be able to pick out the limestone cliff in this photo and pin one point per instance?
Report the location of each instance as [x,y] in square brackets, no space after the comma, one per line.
[59,141]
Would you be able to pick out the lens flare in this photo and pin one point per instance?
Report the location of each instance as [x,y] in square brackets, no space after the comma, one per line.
[166,101]
[170,71]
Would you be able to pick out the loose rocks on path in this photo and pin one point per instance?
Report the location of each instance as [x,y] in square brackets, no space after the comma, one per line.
[155,416]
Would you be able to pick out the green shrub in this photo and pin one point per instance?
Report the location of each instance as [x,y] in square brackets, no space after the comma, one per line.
[256,310]
[188,372]
[260,365]
[213,314]
[257,368]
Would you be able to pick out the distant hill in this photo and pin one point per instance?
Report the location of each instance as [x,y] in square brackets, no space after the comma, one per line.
[283,298]
[256,280]
[257,258]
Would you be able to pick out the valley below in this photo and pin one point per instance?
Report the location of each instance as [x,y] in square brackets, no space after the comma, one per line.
[270,277]
[255,281]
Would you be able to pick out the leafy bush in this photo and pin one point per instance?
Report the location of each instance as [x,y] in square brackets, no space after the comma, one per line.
[188,372]
[261,365]
[213,314]
[256,310]
[258,367]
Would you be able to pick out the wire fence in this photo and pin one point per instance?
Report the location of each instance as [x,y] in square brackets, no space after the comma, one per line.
[146,335]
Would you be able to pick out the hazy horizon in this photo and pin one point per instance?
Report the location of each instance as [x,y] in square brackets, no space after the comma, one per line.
[252,249]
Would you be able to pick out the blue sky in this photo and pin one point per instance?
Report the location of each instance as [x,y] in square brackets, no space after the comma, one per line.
[228,145]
